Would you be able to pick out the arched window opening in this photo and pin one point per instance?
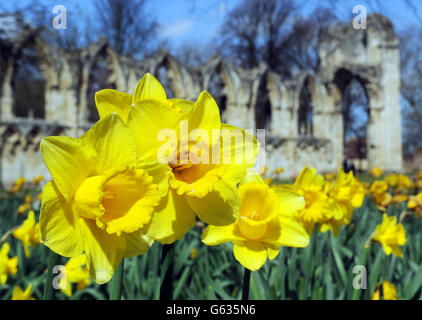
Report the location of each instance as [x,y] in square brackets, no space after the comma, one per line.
[163,77]
[355,109]
[99,79]
[28,85]
[216,88]
[356,114]
[305,117]
[263,112]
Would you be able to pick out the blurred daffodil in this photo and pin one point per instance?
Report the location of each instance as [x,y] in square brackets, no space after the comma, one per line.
[38,179]
[311,186]
[26,206]
[28,233]
[7,265]
[194,253]
[379,191]
[415,204]
[19,294]
[263,170]
[390,235]
[17,186]
[279,170]
[345,194]
[330,176]
[265,222]
[388,290]
[399,181]
[376,172]
[74,271]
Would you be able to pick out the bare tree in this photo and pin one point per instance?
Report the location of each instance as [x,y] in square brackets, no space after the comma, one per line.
[127,25]
[411,84]
[272,31]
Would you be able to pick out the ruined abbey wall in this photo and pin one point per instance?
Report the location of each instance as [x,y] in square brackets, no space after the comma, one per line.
[257,98]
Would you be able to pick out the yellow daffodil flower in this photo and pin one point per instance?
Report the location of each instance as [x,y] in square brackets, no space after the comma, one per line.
[390,235]
[194,253]
[311,186]
[399,181]
[330,176]
[265,222]
[263,170]
[389,291]
[19,294]
[376,172]
[399,198]
[101,196]
[379,191]
[17,186]
[345,194]
[279,170]
[28,233]
[7,265]
[203,188]
[74,272]
[415,204]
[26,206]
[268,180]
[37,180]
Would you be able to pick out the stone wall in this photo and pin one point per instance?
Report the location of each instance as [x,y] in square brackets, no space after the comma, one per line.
[245,97]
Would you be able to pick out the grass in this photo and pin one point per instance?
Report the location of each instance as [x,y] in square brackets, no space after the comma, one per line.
[323,270]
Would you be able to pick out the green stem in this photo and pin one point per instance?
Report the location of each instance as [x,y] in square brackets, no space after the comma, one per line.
[53,260]
[116,282]
[246,282]
[167,272]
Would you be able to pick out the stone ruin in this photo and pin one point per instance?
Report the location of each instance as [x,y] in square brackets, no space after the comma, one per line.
[303,116]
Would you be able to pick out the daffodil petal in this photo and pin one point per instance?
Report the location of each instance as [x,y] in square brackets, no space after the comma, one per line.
[292,233]
[152,122]
[219,207]
[238,149]
[59,228]
[109,101]
[113,142]
[148,88]
[251,254]
[137,243]
[69,164]
[205,115]
[172,219]
[214,235]
[104,251]
[273,252]
[290,201]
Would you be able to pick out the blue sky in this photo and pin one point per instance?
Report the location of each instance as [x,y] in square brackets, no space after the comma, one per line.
[199,20]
